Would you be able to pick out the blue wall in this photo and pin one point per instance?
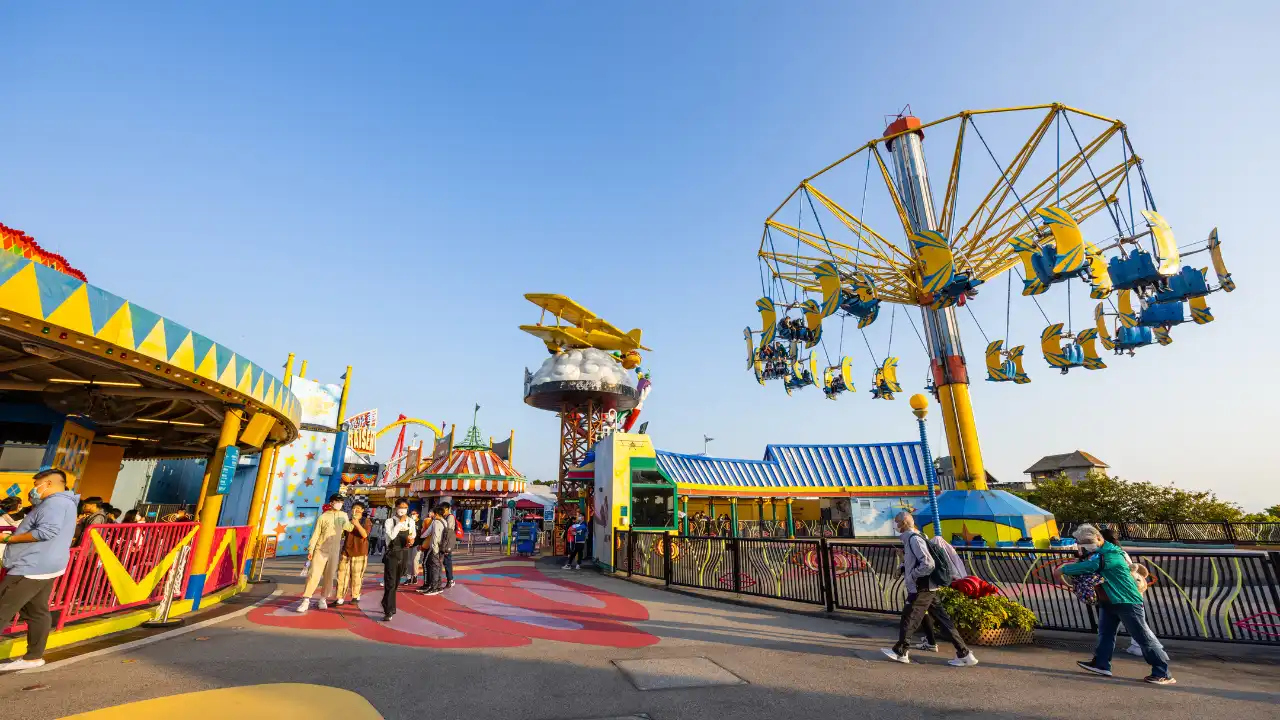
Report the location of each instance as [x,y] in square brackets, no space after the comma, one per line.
[176,482]
[235,506]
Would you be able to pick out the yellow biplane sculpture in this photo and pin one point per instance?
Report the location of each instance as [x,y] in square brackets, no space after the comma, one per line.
[584,330]
[885,381]
[1005,366]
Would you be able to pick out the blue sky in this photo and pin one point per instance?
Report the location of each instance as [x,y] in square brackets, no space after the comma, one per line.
[377,186]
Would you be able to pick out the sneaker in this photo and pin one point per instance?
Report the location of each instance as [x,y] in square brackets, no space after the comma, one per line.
[355,599]
[577,567]
[894,656]
[1093,668]
[966,661]
[20,664]
[437,591]
[567,567]
[1135,650]
[322,605]
[1154,680]
[386,618]
[338,602]
[448,585]
[926,646]
[303,606]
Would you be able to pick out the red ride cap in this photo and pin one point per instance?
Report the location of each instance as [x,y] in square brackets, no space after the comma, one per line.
[903,124]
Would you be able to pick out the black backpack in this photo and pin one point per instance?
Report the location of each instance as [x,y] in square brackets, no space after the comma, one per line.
[943,573]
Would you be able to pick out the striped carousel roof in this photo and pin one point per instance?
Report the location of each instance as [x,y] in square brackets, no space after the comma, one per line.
[843,468]
[469,469]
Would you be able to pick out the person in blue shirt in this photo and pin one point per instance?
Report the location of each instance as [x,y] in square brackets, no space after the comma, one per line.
[576,542]
[36,555]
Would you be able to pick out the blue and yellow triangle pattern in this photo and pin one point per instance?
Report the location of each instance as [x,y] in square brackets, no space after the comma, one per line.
[47,296]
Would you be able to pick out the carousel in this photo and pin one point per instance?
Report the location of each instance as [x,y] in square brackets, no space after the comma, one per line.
[474,476]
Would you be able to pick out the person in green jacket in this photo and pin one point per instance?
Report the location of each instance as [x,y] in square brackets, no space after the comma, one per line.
[1124,606]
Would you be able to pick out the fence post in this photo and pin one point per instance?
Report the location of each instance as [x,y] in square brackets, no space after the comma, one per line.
[1231,534]
[666,559]
[825,569]
[1173,532]
[1275,578]
[735,545]
[631,551]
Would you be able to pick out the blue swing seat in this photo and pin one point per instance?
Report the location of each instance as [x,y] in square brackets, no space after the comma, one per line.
[1188,283]
[1164,314]
[865,310]
[1129,338]
[1074,354]
[1043,263]
[1137,270]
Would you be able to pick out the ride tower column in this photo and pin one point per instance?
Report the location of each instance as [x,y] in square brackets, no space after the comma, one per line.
[942,332]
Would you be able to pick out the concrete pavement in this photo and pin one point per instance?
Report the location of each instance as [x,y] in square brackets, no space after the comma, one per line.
[517,641]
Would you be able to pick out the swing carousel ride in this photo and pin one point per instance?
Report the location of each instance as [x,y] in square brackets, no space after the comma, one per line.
[1051,195]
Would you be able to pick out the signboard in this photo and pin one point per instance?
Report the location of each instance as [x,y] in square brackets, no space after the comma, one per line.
[227,473]
[73,450]
[361,432]
[319,402]
[549,514]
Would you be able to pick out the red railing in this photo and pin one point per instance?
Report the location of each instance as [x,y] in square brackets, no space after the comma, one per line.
[85,591]
[139,548]
[228,570]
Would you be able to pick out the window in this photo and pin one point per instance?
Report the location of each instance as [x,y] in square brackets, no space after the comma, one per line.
[652,507]
[20,456]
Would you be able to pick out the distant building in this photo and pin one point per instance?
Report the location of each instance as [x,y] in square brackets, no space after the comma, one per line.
[1075,465]
[947,474]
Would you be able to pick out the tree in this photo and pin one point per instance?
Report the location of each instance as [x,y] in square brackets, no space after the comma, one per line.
[1105,498]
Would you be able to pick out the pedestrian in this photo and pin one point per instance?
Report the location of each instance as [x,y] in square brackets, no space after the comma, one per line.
[133,516]
[448,542]
[91,513]
[400,533]
[323,553]
[576,542]
[355,555]
[1110,536]
[36,554]
[1119,601]
[415,568]
[377,539]
[922,583]
[432,541]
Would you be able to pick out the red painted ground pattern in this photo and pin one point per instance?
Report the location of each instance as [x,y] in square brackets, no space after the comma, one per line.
[502,603]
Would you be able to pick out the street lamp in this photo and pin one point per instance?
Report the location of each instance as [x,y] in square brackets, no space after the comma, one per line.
[920,407]
[705,440]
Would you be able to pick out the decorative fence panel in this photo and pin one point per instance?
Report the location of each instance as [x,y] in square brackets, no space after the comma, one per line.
[134,556]
[227,562]
[1218,595]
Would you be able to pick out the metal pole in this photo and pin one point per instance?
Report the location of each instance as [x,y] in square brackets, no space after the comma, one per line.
[211,505]
[932,478]
[942,331]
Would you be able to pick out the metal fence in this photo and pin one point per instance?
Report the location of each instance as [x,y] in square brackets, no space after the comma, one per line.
[1221,533]
[1228,596]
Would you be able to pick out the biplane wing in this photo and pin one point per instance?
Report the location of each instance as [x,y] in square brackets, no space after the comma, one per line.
[1088,339]
[829,282]
[1067,240]
[1162,336]
[769,318]
[937,263]
[1100,320]
[1168,261]
[1051,346]
[1128,317]
[890,376]
[1220,267]
[1020,375]
[995,362]
[1025,248]
[557,337]
[1099,279]
[846,373]
[1200,312]
[596,331]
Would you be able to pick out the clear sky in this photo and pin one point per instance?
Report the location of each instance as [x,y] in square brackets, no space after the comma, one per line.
[378,185]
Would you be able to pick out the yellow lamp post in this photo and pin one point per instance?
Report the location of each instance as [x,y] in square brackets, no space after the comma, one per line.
[920,408]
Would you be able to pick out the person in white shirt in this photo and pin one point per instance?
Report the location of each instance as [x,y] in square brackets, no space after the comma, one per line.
[323,553]
[400,533]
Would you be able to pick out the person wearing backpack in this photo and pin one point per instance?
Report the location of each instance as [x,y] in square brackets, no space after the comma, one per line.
[449,541]
[924,569]
[1119,600]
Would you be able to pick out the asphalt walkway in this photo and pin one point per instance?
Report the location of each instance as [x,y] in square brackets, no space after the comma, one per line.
[517,640]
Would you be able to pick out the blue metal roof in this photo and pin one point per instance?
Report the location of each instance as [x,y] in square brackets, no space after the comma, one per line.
[805,466]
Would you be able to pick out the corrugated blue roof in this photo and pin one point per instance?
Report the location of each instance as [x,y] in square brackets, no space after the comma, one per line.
[817,466]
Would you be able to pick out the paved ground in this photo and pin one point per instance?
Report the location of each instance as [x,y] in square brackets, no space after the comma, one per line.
[518,641]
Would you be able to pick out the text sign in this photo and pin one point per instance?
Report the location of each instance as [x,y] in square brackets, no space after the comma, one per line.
[227,473]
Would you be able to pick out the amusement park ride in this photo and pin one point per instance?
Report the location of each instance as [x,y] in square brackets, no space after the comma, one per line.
[1071,205]
[592,381]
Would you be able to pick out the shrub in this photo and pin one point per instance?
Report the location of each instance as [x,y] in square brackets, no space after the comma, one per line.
[985,613]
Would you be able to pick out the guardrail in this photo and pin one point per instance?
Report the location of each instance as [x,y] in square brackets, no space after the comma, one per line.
[1221,533]
[86,590]
[1224,596]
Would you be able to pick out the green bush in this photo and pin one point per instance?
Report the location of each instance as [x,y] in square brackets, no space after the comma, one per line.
[987,613]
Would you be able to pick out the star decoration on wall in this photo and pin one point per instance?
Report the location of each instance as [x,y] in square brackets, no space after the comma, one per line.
[309,482]
[288,514]
[311,456]
[290,460]
[279,508]
[280,475]
[292,488]
[281,528]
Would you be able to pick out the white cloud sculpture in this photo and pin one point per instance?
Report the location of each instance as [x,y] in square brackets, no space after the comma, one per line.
[587,365]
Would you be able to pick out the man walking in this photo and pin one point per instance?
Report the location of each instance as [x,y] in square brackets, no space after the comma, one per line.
[917,572]
[36,554]
[355,555]
[400,532]
[448,542]
[324,552]
[431,541]
[576,542]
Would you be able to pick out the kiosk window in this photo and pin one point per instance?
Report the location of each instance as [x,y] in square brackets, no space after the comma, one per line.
[652,507]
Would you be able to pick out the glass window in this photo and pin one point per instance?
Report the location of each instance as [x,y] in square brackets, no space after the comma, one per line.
[15,456]
[653,507]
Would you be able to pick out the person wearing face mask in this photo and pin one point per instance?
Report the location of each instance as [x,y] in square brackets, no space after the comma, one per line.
[36,554]
[355,555]
[400,533]
[324,551]
[1119,601]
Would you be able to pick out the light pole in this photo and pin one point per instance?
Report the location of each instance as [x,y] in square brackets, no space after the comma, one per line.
[705,440]
[920,407]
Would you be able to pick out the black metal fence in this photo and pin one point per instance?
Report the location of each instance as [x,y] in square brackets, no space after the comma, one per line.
[1220,595]
[1220,533]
